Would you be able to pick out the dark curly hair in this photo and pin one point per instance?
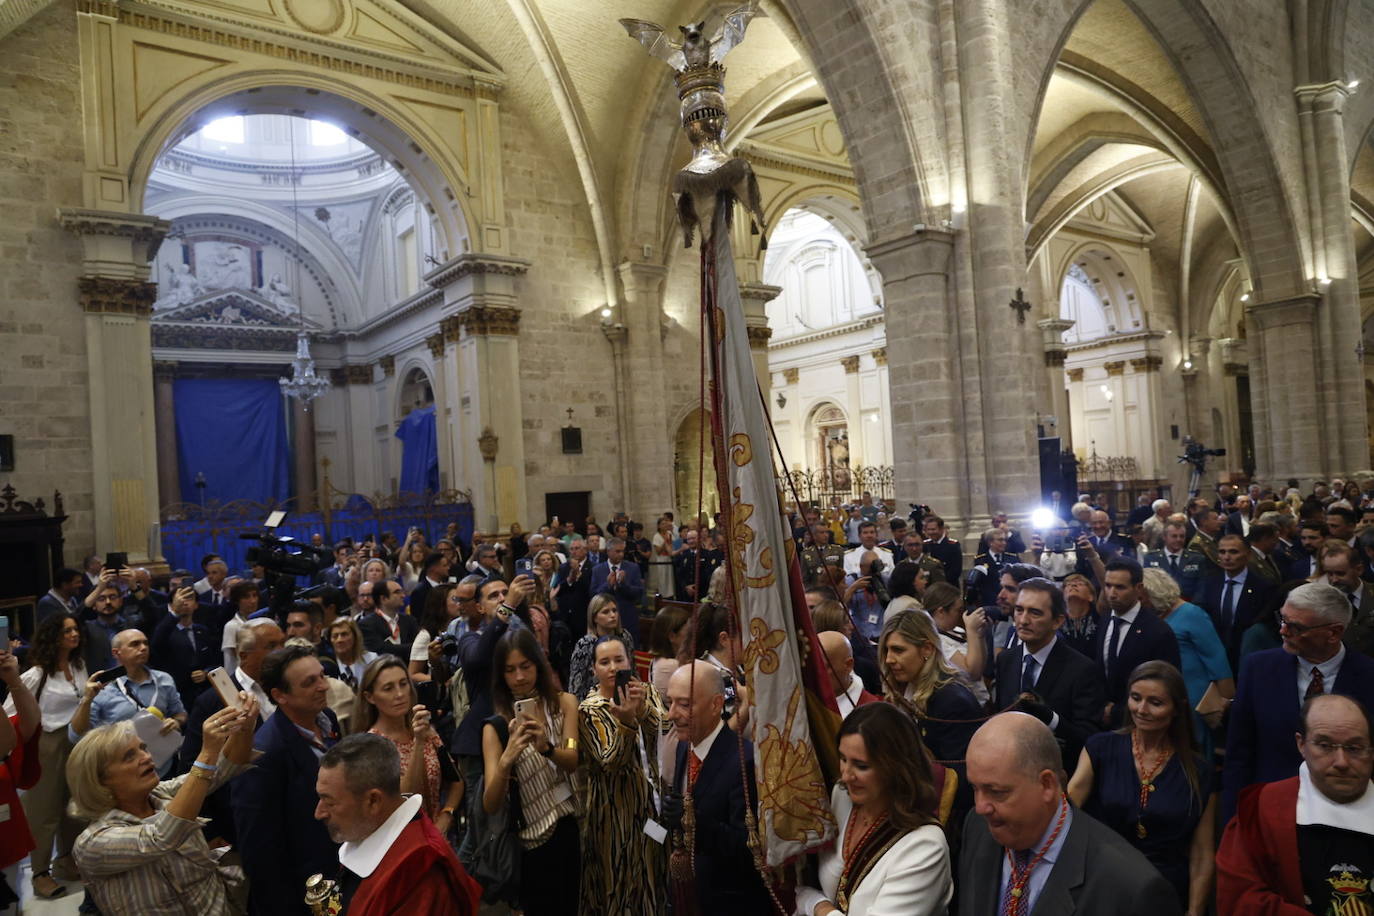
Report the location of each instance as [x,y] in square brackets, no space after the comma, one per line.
[48,638]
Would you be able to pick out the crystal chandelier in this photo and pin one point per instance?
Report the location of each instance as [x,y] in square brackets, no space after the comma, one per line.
[304,384]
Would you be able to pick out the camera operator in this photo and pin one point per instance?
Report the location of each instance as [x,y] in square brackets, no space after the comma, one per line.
[867,597]
[1055,554]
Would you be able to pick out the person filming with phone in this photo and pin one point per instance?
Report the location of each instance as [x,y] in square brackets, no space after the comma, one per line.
[120,694]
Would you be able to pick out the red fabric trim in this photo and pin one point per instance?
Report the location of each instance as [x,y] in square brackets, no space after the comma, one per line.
[419,862]
[1258,873]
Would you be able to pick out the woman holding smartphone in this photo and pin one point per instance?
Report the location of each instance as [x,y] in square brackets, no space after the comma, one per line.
[621,722]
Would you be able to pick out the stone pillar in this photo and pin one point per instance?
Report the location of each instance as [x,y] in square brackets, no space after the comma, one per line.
[164,407]
[1340,374]
[118,300]
[858,456]
[1116,385]
[303,422]
[755,298]
[1283,353]
[648,440]
[1052,331]
[885,402]
[481,307]
[1151,460]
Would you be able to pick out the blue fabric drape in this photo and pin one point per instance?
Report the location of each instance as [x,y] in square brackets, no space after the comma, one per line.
[234,432]
[419,452]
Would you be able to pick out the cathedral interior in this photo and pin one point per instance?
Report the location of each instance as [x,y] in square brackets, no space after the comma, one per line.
[1105,225]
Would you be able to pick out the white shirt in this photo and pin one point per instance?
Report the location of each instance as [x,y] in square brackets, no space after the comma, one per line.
[704,748]
[363,857]
[849,700]
[419,649]
[1040,658]
[853,556]
[1329,669]
[229,644]
[265,703]
[60,697]
[1316,808]
[1127,619]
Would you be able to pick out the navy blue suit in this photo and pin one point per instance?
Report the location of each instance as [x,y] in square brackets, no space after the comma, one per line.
[1148,639]
[1069,684]
[1253,599]
[274,812]
[726,881]
[170,650]
[627,594]
[1301,566]
[948,552]
[1260,746]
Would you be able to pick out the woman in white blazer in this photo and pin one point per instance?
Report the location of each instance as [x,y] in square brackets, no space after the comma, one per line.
[890,858]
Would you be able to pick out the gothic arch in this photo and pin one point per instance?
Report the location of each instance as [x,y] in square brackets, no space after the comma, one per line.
[1112,280]
[408,144]
[414,371]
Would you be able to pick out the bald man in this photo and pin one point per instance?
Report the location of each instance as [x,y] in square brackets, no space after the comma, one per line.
[726,881]
[1026,849]
[839,656]
[138,688]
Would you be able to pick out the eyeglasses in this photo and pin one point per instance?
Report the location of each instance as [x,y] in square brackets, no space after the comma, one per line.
[1298,629]
[1353,751]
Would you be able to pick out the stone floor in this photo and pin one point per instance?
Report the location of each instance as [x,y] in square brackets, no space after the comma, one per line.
[62,906]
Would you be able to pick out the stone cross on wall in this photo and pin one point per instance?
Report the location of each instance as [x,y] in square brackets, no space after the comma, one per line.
[1021,306]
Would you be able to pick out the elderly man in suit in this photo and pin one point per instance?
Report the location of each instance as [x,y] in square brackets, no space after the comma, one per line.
[1236,595]
[849,689]
[1344,568]
[274,802]
[1130,636]
[708,763]
[623,582]
[1027,850]
[1045,677]
[1274,684]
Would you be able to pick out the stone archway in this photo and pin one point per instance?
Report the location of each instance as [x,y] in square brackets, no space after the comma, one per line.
[694,466]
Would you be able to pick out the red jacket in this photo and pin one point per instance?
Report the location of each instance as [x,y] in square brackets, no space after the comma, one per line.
[419,875]
[20,770]
[1258,873]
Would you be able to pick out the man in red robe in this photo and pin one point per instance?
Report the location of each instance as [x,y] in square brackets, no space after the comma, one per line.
[393,860]
[1306,844]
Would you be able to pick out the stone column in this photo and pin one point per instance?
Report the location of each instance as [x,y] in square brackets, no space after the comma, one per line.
[1340,374]
[885,402]
[481,307]
[303,422]
[854,407]
[755,298]
[118,300]
[1283,352]
[1151,459]
[164,406]
[1052,331]
[648,440]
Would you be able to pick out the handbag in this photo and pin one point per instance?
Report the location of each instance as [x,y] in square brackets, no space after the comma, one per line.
[494,860]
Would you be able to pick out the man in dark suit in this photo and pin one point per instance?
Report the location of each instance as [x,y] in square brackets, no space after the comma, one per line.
[183,649]
[1236,596]
[1131,635]
[1274,684]
[941,547]
[1100,536]
[1171,556]
[274,802]
[1045,677]
[389,628]
[1311,535]
[622,581]
[574,587]
[1021,814]
[343,559]
[1238,519]
[1344,569]
[708,760]
[435,572]
[61,598]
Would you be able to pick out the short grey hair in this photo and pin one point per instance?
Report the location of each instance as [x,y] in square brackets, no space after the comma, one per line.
[615,542]
[245,639]
[369,762]
[1162,589]
[1159,504]
[1329,603]
[994,533]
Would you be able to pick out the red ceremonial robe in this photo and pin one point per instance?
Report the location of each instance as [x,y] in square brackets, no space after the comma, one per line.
[1258,873]
[418,875]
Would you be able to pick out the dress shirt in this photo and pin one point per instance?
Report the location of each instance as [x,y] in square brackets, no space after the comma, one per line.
[1127,619]
[265,705]
[848,701]
[853,556]
[704,748]
[1329,669]
[229,643]
[69,603]
[190,631]
[60,697]
[1040,659]
[1041,873]
[321,743]
[390,619]
[114,703]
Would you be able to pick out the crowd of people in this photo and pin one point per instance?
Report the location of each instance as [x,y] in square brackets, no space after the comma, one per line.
[1165,713]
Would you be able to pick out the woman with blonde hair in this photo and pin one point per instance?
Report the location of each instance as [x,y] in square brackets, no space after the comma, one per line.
[918,680]
[347,642]
[603,619]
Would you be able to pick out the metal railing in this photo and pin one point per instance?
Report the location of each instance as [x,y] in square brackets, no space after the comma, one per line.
[821,487]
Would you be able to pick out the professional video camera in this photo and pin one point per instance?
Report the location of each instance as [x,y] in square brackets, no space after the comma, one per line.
[918,514]
[282,559]
[1196,454]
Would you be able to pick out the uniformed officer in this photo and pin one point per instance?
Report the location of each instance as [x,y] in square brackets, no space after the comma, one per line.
[914,551]
[985,579]
[814,557]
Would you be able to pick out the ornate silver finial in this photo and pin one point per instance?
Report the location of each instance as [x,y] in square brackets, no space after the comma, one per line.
[700,78]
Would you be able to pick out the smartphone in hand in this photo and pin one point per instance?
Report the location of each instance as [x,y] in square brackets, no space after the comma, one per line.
[525,708]
[224,686]
[622,679]
[113,674]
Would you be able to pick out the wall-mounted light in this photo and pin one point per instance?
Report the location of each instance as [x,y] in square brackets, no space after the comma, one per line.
[1244,297]
[1187,364]
[1352,85]
[782,400]
[606,312]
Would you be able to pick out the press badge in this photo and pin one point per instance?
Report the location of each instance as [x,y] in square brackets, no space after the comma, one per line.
[873,618]
[652,828]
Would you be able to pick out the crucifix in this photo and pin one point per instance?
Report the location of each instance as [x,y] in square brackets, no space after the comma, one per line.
[1021,306]
[569,412]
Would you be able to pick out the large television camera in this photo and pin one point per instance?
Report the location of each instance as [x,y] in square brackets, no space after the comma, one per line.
[282,560]
[1196,454]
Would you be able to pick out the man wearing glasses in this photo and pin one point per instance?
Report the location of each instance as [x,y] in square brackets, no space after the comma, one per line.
[1306,844]
[1274,684]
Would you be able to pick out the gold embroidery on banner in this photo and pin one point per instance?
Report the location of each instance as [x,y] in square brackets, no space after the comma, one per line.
[741,449]
[741,536]
[792,795]
[762,648]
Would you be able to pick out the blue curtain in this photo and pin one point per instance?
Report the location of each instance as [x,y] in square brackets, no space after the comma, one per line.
[234,432]
[419,452]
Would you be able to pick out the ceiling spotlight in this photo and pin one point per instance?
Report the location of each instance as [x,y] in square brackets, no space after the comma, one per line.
[1187,364]
[1353,85]
[606,312]
[1244,297]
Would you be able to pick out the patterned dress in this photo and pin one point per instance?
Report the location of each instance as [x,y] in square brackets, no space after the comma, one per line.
[623,869]
[581,681]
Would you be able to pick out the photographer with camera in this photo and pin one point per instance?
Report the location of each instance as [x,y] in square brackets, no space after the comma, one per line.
[867,597]
[868,543]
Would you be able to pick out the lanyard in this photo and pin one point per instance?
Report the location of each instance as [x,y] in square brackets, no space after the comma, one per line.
[129,692]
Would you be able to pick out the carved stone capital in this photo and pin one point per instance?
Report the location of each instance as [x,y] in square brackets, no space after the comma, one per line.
[758,336]
[617,334]
[359,375]
[1075,375]
[148,230]
[851,364]
[1115,367]
[1234,369]
[451,329]
[1056,358]
[760,293]
[119,296]
[791,376]
[880,356]
[470,263]
[480,320]
[488,443]
[388,364]
[1147,363]
[435,342]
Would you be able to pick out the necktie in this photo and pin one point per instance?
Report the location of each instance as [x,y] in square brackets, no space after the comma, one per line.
[1173,564]
[1014,904]
[1315,687]
[1228,605]
[693,768]
[1111,646]
[1354,600]
[191,636]
[1028,675]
